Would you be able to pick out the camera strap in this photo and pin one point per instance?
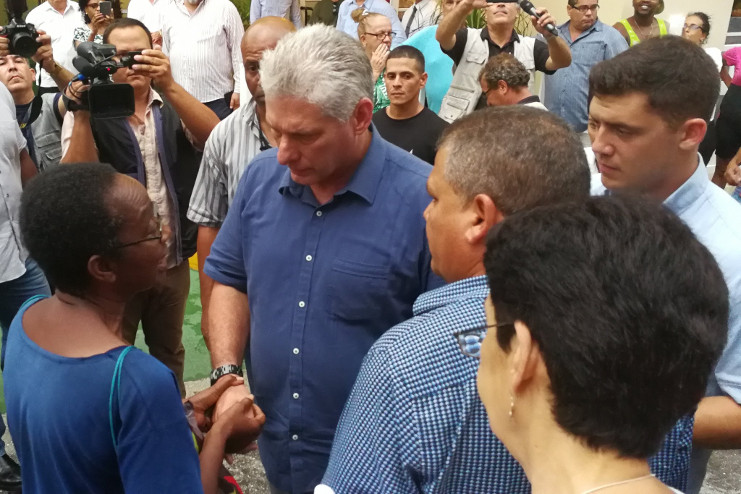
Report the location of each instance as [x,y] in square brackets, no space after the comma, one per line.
[33,112]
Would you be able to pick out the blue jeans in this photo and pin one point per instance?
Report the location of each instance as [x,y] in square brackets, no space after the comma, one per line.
[12,295]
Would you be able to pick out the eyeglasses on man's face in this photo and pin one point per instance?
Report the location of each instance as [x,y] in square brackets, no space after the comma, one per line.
[157,236]
[382,35]
[470,340]
[586,8]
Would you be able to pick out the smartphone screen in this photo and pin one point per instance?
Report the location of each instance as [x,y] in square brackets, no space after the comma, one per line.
[105,8]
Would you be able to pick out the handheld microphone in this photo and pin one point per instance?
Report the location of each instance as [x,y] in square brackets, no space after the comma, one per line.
[528,7]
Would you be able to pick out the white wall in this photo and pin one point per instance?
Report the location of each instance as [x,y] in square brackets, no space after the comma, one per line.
[612,11]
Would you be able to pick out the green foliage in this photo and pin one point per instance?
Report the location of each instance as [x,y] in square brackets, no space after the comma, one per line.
[243,7]
[476,19]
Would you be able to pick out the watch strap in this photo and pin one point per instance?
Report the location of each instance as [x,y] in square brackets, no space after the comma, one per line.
[224,370]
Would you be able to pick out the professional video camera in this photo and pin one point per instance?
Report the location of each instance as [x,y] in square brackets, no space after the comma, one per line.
[22,36]
[104,99]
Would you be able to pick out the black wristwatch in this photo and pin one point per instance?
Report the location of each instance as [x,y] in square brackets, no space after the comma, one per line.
[224,370]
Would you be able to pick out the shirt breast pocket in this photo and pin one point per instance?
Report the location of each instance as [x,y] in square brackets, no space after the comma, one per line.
[358,290]
[588,54]
[49,148]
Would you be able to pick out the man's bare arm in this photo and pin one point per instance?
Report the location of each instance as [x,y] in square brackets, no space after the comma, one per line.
[228,325]
[28,168]
[450,23]
[81,143]
[197,117]
[718,423]
[206,237]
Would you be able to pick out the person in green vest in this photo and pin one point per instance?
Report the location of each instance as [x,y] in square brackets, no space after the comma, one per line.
[643,24]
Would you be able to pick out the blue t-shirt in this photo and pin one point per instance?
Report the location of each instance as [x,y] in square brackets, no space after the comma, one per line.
[58,417]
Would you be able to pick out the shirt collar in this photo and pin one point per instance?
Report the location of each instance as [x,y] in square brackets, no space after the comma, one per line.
[530,99]
[564,30]
[421,4]
[68,7]
[689,191]
[364,182]
[475,287]
[512,39]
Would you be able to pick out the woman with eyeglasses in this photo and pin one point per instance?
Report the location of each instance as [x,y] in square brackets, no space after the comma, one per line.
[598,340]
[87,412]
[374,33]
[696,29]
[95,23]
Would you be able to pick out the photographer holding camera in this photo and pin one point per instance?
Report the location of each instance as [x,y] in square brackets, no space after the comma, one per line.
[39,116]
[155,145]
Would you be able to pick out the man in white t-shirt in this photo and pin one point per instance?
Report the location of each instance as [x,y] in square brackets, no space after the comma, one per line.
[58,18]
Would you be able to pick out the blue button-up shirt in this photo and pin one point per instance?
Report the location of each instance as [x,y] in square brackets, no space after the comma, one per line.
[414,421]
[713,216]
[349,26]
[567,90]
[324,282]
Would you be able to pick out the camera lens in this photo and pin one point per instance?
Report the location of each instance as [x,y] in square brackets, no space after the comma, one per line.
[23,44]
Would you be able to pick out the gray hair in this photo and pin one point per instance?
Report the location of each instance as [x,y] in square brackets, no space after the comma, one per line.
[519,156]
[505,67]
[319,64]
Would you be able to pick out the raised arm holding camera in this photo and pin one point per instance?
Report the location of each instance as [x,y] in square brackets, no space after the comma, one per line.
[155,145]
[39,116]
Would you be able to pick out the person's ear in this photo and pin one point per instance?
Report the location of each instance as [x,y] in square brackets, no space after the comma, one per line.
[102,269]
[485,215]
[423,80]
[502,87]
[525,357]
[362,115]
[691,133]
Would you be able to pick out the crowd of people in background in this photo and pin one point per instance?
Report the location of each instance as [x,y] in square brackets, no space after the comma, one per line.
[423,267]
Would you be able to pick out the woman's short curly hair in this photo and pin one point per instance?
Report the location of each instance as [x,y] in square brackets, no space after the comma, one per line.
[65,219]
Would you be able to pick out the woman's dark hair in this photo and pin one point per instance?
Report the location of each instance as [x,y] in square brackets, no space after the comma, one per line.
[629,311]
[83,6]
[705,21]
[65,220]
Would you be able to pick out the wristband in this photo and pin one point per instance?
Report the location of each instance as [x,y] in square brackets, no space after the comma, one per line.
[224,370]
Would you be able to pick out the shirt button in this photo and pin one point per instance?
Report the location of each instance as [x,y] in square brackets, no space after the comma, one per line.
[295,351]
[294,437]
[318,213]
[295,396]
[302,304]
[309,258]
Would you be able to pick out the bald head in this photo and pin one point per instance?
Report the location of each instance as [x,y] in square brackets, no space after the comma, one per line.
[263,35]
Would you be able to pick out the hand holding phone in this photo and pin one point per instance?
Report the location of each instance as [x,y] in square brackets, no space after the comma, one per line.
[105,7]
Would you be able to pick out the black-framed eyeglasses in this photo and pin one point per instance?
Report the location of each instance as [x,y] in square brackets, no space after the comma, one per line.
[158,236]
[470,340]
[380,36]
[586,8]
[691,27]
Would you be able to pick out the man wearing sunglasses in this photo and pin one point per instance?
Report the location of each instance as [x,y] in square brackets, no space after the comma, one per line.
[590,41]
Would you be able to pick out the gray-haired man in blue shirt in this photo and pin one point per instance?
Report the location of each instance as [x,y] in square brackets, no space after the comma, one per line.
[591,41]
[325,238]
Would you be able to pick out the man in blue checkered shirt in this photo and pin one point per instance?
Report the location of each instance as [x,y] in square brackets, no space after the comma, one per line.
[414,422]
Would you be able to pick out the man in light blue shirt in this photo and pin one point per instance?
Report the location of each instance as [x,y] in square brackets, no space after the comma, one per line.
[591,41]
[349,26]
[289,9]
[645,133]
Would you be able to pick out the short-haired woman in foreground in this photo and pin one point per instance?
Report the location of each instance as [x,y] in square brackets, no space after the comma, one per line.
[598,340]
[76,427]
